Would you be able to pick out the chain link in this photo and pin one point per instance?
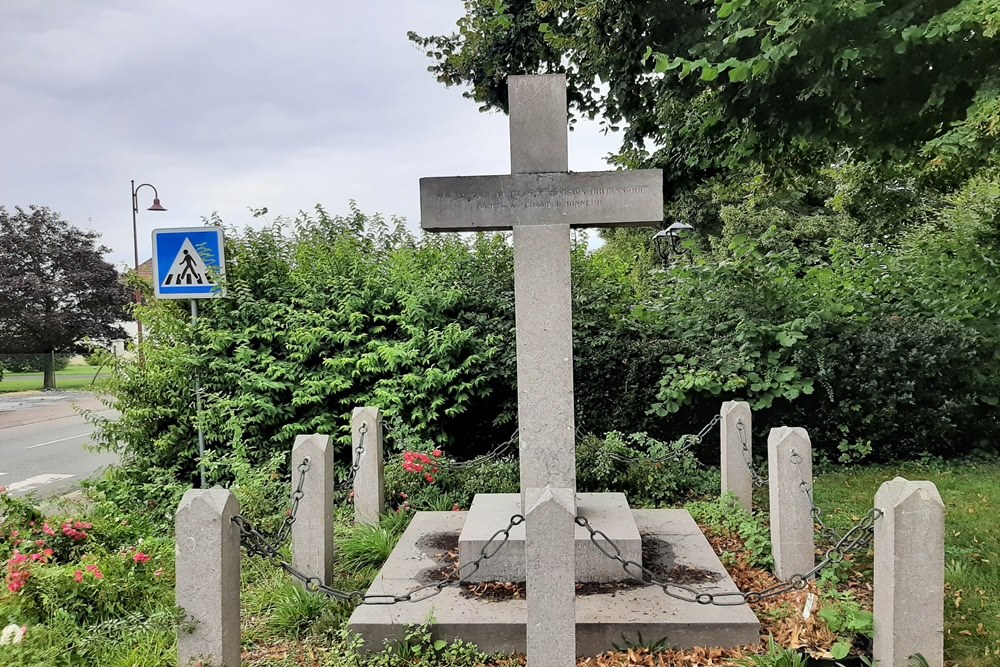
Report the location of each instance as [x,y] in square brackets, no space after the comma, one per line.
[689,441]
[755,477]
[502,450]
[297,495]
[860,535]
[815,512]
[258,544]
[356,464]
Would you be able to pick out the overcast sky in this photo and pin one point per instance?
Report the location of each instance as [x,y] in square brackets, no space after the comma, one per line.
[225,105]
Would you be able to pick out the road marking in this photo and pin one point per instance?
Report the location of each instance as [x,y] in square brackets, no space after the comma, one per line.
[52,442]
[36,481]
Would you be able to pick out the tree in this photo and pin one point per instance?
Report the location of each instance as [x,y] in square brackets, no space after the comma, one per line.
[720,85]
[55,286]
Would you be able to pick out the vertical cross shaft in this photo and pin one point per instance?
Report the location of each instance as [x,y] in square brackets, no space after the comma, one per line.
[543,312]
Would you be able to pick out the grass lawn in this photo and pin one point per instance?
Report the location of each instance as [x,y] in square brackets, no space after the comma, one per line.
[71,377]
[971,494]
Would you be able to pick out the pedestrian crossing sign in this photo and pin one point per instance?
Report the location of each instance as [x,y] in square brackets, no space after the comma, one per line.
[188,263]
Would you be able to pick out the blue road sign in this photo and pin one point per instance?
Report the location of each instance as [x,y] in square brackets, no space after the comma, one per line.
[188,262]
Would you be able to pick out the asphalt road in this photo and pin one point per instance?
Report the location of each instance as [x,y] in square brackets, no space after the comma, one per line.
[42,442]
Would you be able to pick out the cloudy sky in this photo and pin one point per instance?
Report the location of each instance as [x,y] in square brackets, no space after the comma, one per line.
[225,105]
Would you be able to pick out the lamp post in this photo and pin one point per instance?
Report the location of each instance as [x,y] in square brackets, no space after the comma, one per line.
[135,242]
[669,241]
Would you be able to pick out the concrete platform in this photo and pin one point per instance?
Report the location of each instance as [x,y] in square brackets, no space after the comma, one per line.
[607,512]
[674,548]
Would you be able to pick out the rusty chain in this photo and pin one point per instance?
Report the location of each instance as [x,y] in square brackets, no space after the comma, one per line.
[860,535]
[689,441]
[755,477]
[286,525]
[815,512]
[356,463]
[258,544]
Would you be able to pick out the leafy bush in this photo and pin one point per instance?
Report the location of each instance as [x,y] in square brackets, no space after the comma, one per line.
[650,472]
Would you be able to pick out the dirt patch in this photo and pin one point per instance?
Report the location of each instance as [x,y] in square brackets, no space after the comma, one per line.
[657,556]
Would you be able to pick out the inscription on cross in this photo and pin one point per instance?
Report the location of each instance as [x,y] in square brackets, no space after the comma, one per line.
[540,201]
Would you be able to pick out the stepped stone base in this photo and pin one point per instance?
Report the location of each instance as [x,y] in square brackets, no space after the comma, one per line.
[607,512]
[606,614]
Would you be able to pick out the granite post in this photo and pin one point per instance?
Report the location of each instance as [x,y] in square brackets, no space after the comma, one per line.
[312,532]
[789,466]
[208,578]
[909,573]
[734,439]
[369,483]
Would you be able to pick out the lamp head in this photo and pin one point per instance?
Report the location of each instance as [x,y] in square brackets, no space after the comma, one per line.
[156,205]
[669,241]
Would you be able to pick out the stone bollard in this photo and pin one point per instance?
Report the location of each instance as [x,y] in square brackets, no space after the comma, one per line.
[369,483]
[734,438]
[789,465]
[909,573]
[550,568]
[208,578]
[312,532]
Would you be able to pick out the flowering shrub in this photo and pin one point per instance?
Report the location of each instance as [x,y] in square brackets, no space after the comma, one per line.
[422,464]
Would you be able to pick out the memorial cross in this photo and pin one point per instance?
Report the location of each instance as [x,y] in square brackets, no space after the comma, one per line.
[540,200]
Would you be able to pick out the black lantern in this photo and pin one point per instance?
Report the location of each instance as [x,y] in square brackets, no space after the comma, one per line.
[669,241]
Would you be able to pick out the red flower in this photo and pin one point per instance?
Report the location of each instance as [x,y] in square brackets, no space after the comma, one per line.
[96,571]
[437,453]
[140,558]
[78,575]
[429,478]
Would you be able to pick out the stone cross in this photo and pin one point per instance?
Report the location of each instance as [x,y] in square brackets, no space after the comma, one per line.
[540,200]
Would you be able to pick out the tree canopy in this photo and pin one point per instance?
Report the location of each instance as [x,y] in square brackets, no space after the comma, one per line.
[712,84]
[56,288]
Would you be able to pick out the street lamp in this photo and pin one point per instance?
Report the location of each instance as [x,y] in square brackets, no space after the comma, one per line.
[135,241]
[669,241]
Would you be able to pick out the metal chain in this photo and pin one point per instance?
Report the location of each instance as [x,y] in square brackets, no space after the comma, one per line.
[496,454]
[258,544]
[815,512]
[755,477]
[689,442]
[860,535]
[358,453]
[297,495]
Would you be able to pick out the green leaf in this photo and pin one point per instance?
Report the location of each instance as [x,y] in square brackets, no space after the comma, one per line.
[709,73]
[840,649]
[739,73]
[440,644]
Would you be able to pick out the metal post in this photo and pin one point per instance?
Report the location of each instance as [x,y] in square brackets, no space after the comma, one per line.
[137,296]
[197,406]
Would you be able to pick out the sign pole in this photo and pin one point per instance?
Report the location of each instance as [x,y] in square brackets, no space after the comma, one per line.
[197,406]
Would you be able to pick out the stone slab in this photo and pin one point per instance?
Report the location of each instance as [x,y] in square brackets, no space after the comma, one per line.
[602,619]
[579,199]
[607,512]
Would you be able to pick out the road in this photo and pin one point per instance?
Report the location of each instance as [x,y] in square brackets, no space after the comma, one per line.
[42,442]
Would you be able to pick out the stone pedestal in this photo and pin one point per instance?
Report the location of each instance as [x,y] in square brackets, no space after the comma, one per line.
[208,578]
[736,451]
[909,573]
[312,532]
[607,512]
[789,467]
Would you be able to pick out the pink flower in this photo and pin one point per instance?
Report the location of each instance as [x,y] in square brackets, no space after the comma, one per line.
[456,508]
[3,490]
[47,529]
[437,453]
[78,575]
[139,558]
[429,478]
[96,571]
[158,572]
